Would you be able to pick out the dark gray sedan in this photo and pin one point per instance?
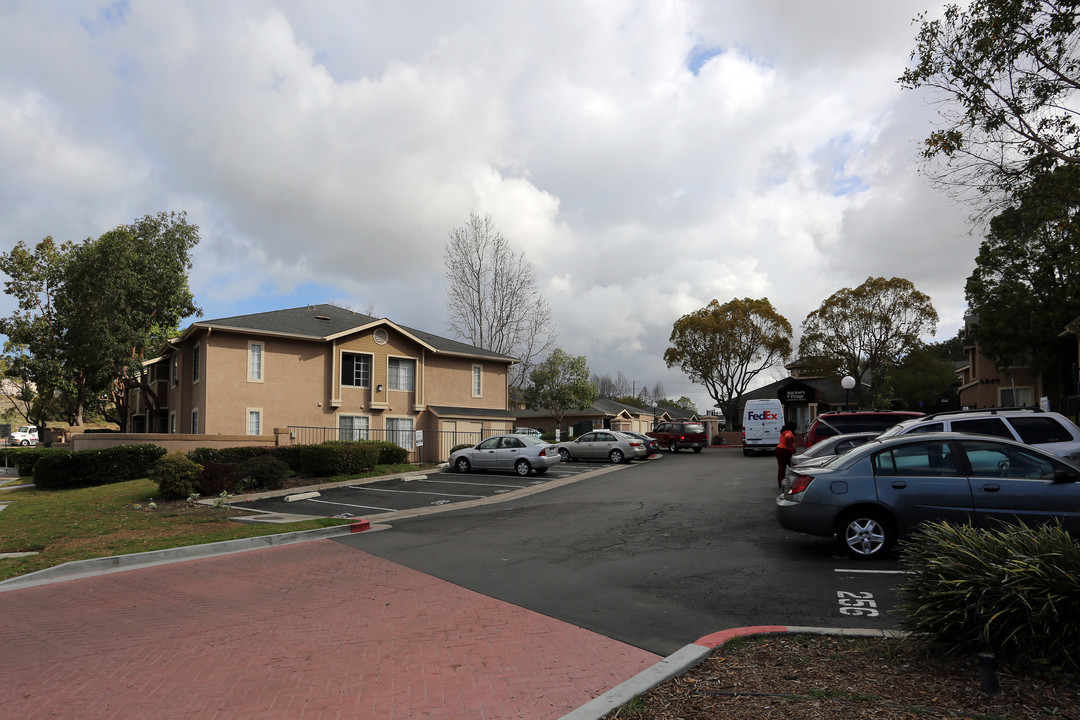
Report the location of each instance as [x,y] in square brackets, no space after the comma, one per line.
[880,491]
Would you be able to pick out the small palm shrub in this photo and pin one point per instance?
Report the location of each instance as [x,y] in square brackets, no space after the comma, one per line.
[176,475]
[1013,591]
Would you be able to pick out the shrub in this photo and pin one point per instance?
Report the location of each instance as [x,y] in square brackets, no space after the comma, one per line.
[1013,591]
[338,457]
[176,475]
[260,473]
[215,478]
[389,453]
[230,455]
[85,468]
[288,454]
[26,458]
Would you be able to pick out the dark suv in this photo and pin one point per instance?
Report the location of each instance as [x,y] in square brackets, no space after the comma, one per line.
[844,421]
[678,435]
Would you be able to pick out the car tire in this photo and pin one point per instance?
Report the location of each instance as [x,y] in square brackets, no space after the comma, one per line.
[564,454]
[462,465]
[866,534]
[697,450]
[616,456]
[745,452]
[541,471]
[673,446]
[522,467]
[25,443]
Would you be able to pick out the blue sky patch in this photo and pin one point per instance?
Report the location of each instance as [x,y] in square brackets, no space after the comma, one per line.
[701,55]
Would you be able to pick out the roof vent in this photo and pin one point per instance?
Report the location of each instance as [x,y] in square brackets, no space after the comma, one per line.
[323,317]
[380,336]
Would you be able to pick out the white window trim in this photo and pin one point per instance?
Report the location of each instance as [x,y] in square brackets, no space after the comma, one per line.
[416,369]
[477,378]
[195,421]
[371,368]
[367,431]
[412,432]
[196,363]
[1002,389]
[262,361]
[247,421]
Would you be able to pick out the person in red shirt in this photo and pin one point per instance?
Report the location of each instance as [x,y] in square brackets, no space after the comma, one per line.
[784,451]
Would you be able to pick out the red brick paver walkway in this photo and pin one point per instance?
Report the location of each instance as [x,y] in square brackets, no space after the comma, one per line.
[311,630]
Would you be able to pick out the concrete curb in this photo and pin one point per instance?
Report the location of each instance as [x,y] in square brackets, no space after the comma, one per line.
[694,654]
[78,569]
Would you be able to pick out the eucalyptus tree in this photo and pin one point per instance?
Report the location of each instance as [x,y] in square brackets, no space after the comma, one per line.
[724,347]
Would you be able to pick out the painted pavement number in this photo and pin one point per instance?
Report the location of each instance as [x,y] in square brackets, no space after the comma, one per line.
[859,604]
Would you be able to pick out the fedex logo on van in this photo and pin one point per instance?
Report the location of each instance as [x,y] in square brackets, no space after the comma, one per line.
[765,415]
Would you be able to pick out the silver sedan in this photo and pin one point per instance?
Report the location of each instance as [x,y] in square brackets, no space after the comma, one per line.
[603,445]
[520,453]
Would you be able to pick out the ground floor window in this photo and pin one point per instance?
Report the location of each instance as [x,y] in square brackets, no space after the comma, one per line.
[400,432]
[1016,397]
[194,422]
[353,427]
[254,422]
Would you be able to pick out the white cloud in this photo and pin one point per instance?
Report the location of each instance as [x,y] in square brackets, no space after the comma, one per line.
[326,148]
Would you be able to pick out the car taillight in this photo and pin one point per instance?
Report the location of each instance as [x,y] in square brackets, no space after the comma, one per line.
[635,444]
[543,452]
[800,483]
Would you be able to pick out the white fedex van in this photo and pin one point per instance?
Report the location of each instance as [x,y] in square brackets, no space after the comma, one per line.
[762,422]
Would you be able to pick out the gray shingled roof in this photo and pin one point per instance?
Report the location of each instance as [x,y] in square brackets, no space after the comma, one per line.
[319,322]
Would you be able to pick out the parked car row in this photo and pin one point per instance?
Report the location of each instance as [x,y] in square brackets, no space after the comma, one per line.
[983,467]
[524,452]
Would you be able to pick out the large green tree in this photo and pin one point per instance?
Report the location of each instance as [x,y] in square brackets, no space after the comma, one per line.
[1004,75]
[32,355]
[864,331]
[1026,284]
[723,347]
[560,384]
[91,312]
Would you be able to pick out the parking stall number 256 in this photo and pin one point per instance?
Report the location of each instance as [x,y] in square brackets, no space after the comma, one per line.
[859,604]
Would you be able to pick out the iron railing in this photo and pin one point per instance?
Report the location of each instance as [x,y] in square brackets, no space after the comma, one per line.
[436,446]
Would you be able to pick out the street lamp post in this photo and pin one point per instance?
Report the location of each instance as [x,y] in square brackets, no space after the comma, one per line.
[847,383]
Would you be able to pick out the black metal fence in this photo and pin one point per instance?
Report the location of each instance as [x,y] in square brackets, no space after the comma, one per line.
[424,446]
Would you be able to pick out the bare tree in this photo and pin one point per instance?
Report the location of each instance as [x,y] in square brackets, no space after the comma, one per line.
[492,297]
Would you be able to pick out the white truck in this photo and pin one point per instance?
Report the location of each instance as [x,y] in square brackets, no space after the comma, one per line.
[25,435]
[762,422]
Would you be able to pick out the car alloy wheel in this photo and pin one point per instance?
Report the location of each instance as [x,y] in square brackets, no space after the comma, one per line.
[616,456]
[462,465]
[867,534]
[673,446]
[564,454]
[522,467]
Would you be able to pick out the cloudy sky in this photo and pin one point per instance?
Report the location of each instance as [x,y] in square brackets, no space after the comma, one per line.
[647,156]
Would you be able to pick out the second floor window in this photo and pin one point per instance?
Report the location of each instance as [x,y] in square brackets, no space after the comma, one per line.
[401,374]
[477,380]
[355,370]
[195,362]
[255,361]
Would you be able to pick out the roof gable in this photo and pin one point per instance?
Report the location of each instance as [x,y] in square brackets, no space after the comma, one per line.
[322,323]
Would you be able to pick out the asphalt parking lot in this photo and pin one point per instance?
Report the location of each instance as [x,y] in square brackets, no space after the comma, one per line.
[440,487]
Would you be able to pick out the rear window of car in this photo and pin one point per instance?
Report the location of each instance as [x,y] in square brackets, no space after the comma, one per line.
[867,422]
[1037,430]
[983,426]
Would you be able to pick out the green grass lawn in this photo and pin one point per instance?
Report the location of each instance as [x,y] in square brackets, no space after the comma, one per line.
[66,525]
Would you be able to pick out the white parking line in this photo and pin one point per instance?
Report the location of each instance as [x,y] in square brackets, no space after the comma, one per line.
[410,492]
[362,507]
[871,572]
[466,482]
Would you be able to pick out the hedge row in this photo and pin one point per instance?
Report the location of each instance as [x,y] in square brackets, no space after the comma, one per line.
[232,470]
[85,468]
[1013,591]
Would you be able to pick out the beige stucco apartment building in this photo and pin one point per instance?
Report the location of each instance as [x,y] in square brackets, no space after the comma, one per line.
[324,372]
